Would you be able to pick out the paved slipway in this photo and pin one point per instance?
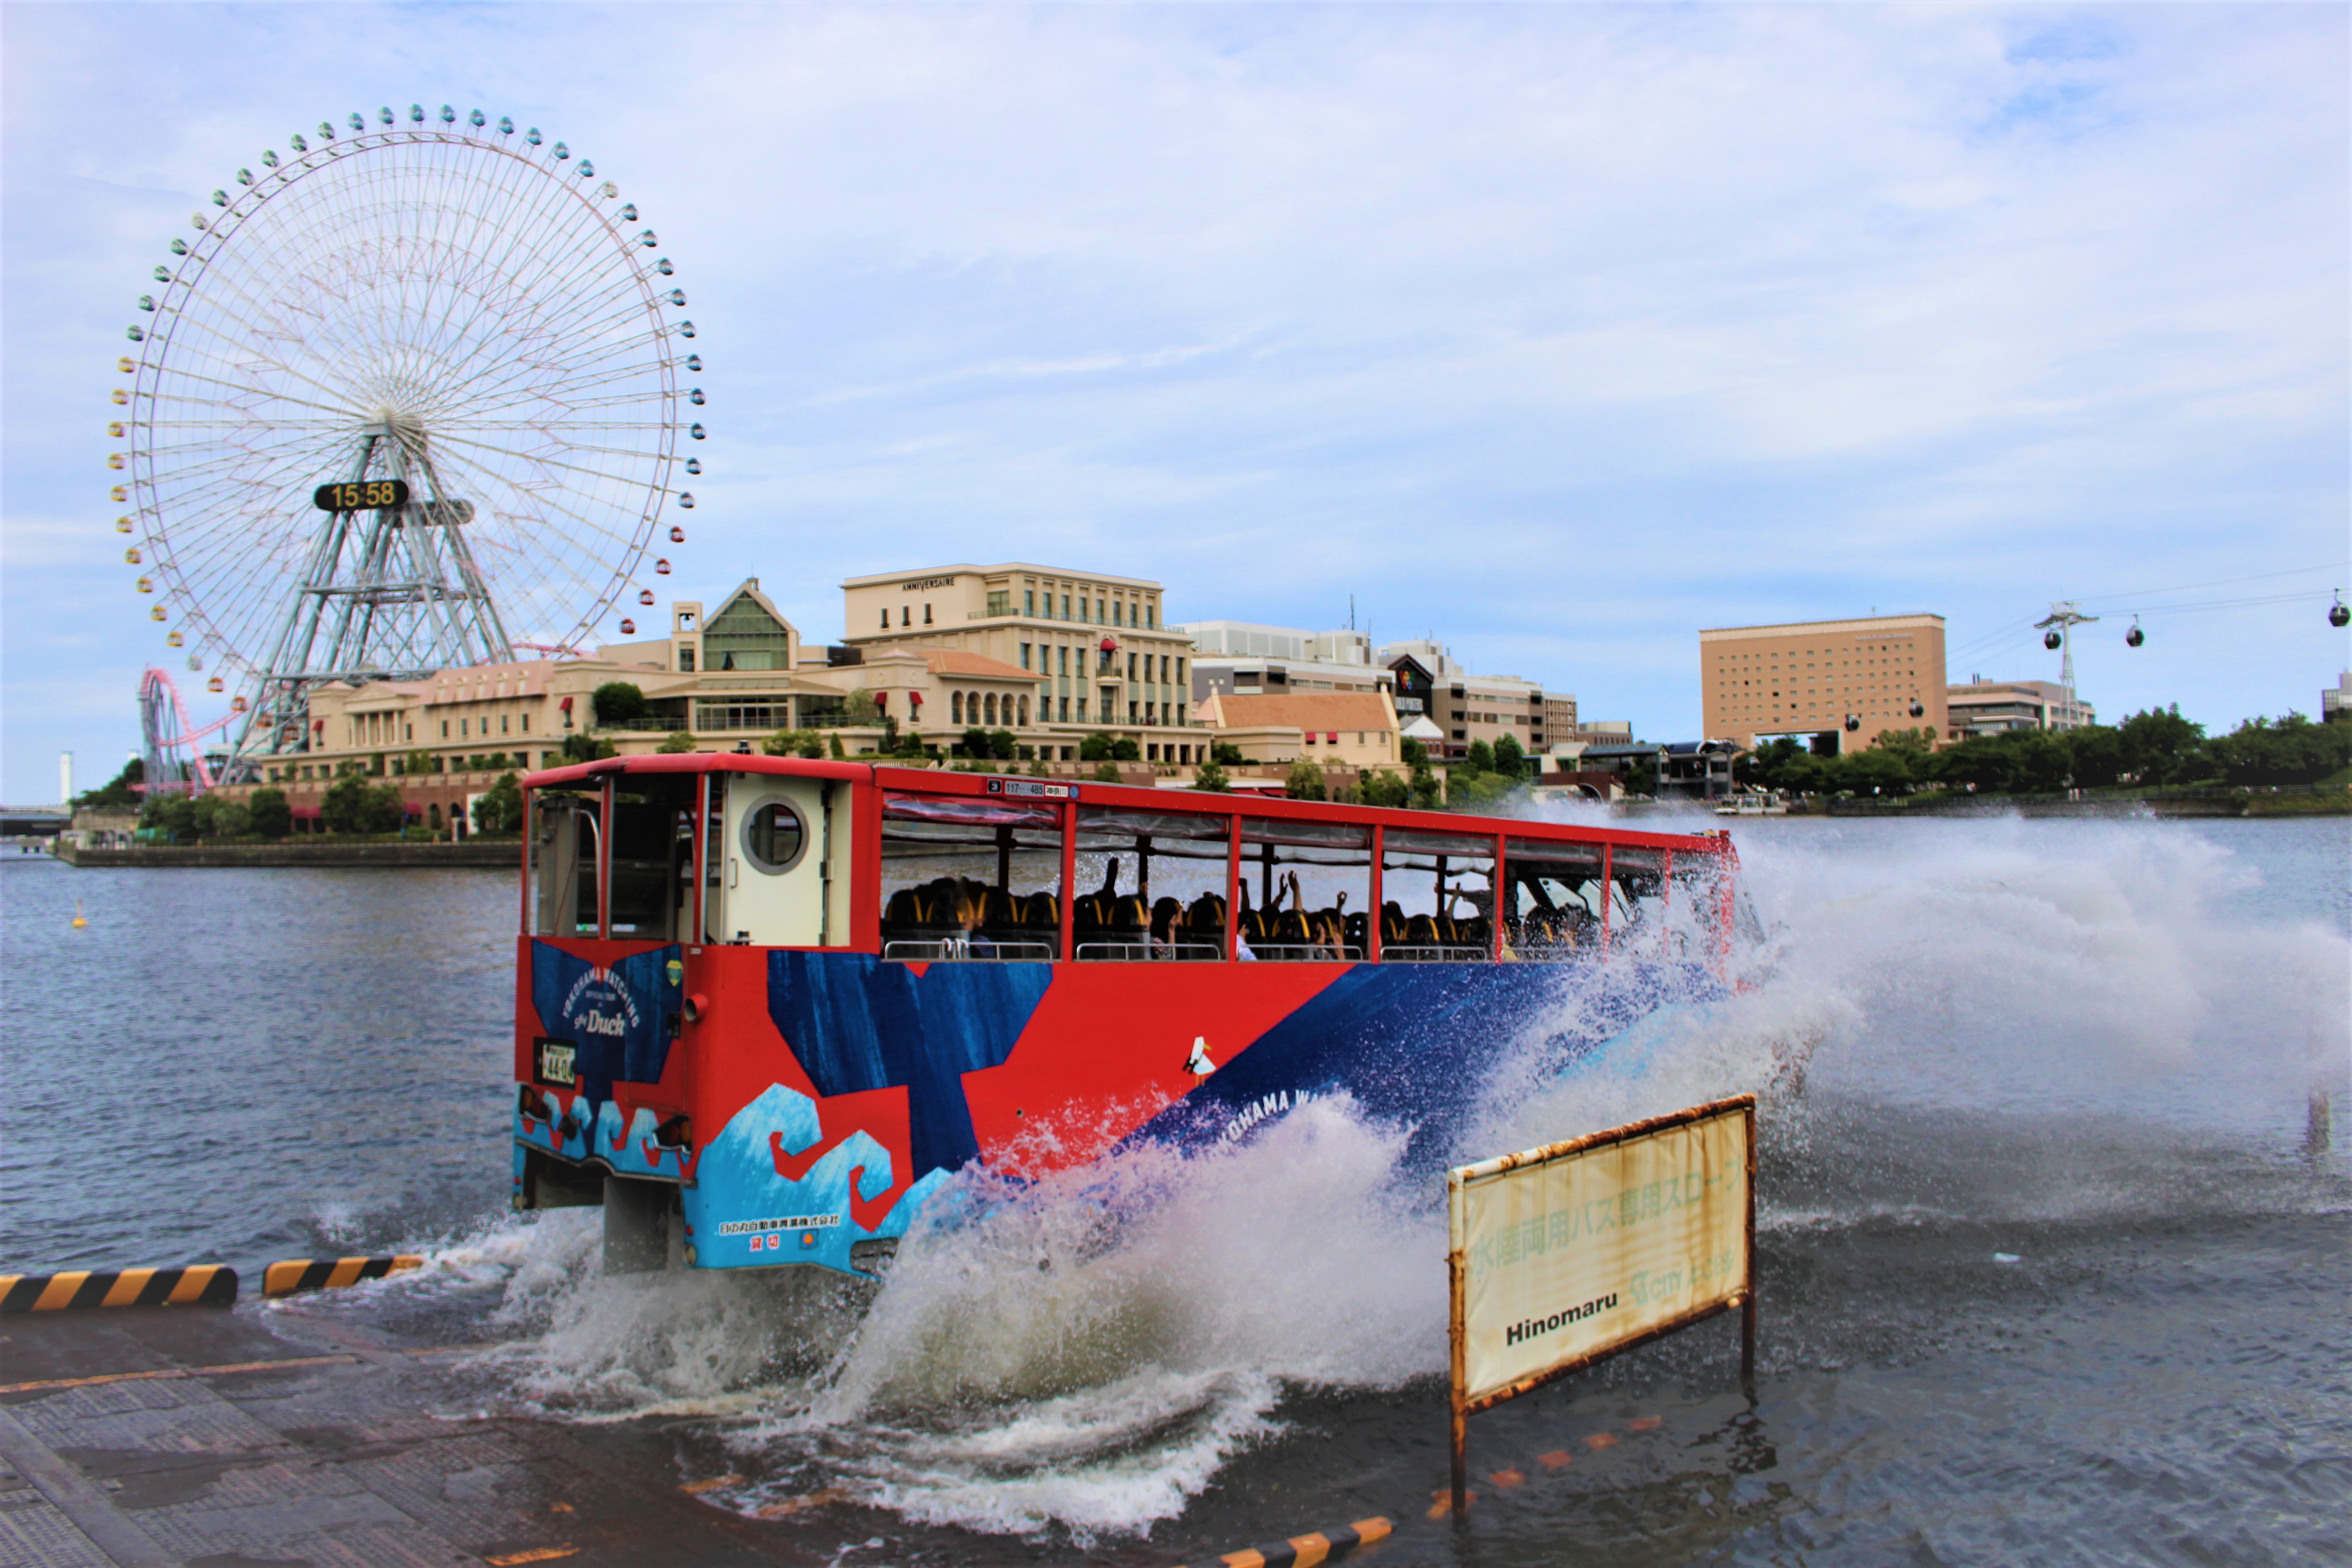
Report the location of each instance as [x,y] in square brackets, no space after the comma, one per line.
[2048,1271]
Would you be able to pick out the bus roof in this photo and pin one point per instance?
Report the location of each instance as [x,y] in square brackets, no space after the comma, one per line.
[932,781]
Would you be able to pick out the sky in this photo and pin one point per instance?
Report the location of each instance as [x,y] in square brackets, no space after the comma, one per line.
[1556,333]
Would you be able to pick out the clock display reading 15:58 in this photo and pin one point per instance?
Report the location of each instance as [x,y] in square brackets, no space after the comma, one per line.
[358,493]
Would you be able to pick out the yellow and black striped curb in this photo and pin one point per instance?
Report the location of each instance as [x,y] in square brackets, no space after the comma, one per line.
[1306,1551]
[331,1273]
[208,1284]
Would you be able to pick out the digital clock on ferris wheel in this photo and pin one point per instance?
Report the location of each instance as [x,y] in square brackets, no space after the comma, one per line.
[362,493]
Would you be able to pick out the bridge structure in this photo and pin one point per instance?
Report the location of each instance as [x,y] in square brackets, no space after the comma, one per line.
[34,821]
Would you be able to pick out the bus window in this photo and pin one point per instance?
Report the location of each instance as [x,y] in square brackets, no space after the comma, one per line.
[566,826]
[1313,891]
[1437,896]
[966,877]
[775,861]
[1152,884]
[1552,910]
[1637,900]
[653,846]
[1695,907]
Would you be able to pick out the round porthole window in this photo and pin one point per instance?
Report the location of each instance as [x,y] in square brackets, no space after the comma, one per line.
[774,837]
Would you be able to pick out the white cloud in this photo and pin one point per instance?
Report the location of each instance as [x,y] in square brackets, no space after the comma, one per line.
[1561,331]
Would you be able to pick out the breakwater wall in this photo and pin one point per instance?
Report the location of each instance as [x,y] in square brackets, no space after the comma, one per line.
[503,855]
[2214,803]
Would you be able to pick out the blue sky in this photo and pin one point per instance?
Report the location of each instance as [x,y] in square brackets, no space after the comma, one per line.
[1560,332]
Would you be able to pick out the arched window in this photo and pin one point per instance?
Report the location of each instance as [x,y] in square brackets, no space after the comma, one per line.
[955,708]
[992,709]
[1024,713]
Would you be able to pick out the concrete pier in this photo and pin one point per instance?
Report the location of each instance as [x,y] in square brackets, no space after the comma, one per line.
[142,1438]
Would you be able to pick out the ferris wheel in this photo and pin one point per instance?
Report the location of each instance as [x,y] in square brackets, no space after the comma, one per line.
[406,399]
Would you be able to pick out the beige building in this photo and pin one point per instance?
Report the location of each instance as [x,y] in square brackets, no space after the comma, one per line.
[1990,707]
[1466,708]
[1336,729]
[1099,655]
[1848,679]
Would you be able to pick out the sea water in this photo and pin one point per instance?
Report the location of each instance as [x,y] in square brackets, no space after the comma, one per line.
[2047,1269]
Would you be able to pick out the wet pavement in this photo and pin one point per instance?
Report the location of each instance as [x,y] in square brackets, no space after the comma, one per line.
[219,1439]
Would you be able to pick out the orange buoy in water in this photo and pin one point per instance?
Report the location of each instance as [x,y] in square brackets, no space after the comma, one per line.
[79,919]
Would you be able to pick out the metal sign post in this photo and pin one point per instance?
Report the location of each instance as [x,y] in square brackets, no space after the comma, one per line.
[1561,1256]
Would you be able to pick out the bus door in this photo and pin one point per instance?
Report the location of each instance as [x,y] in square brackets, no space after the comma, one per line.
[774,862]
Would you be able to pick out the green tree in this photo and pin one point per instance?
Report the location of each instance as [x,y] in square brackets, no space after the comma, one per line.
[860,711]
[344,807]
[2160,747]
[1095,749]
[414,765]
[270,815]
[1876,771]
[833,744]
[1209,776]
[1428,793]
[1474,792]
[587,748]
[499,809]
[1412,753]
[1003,745]
[351,804]
[1766,767]
[974,742]
[1480,759]
[1107,773]
[116,793]
[618,705]
[170,817]
[1912,743]
[793,744]
[678,743]
[1510,757]
[1125,750]
[1227,755]
[2288,751]
[1386,789]
[1305,781]
[2094,754]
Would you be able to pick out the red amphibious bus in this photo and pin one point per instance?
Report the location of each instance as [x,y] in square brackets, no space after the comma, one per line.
[765,1008]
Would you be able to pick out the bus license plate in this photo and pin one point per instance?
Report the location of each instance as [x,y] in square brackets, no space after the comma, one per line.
[555,1063]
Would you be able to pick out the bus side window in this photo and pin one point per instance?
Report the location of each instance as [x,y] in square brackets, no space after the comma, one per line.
[1556,912]
[653,841]
[1152,885]
[563,856]
[971,878]
[1437,896]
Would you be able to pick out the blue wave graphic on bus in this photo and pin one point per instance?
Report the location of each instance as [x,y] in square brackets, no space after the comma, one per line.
[747,1214]
[856,1023]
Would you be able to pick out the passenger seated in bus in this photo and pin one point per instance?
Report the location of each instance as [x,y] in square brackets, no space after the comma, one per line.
[1109,921]
[1167,929]
[1206,921]
[1393,924]
[969,941]
[1253,929]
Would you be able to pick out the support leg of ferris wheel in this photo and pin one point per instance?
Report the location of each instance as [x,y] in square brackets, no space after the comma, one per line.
[392,613]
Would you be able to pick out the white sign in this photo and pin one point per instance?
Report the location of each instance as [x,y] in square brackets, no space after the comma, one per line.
[1564,1255]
